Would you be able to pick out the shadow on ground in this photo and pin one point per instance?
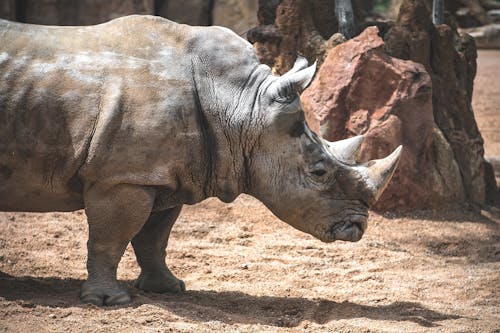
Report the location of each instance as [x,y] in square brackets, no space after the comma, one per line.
[488,215]
[475,248]
[229,307]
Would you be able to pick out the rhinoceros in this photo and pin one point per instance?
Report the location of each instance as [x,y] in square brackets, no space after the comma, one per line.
[133,118]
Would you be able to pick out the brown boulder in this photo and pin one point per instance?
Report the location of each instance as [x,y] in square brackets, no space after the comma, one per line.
[360,89]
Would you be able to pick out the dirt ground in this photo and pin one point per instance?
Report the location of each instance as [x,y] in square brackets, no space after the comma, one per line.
[486,100]
[246,271]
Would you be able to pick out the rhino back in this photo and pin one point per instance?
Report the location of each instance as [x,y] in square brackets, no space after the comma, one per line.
[108,103]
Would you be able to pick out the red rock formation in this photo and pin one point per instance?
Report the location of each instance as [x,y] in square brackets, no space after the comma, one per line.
[366,87]
[360,89]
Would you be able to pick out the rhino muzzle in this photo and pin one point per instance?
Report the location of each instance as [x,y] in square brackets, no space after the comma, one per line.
[351,230]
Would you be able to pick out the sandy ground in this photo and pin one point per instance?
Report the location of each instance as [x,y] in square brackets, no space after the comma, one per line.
[431,271]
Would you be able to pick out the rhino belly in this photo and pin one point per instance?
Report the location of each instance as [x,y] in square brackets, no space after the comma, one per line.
[32,183]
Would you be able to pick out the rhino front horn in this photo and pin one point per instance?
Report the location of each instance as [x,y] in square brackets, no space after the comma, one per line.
[378,173]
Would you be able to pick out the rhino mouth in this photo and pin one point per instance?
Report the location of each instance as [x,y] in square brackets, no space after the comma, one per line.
[351,229]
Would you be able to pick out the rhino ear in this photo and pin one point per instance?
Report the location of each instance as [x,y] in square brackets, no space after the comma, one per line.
[300,64]
[287,86]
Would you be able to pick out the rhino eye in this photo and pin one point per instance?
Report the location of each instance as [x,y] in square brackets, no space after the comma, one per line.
[319,172]
[286,99]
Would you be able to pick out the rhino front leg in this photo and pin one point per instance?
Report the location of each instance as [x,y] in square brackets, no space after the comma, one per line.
[150,249]
[114,216]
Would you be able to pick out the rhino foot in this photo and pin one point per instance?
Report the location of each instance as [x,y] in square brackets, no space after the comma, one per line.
[104,295]
[164,282]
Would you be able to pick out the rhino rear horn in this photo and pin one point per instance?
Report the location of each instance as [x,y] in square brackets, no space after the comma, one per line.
[346,150]
[378,173]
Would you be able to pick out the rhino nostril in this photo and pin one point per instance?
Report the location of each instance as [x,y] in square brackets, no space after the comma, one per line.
[358,225]
[359,222]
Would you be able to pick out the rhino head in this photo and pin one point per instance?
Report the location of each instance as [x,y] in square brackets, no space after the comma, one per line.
[314,185]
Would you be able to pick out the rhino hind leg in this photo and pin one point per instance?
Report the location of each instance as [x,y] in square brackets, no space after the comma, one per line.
[150,249]
[114,217]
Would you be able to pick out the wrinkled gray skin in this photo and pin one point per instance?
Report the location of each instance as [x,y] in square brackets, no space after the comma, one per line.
[133,118]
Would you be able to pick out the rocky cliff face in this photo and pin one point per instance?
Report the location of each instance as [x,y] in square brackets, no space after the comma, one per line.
[381,87]
[360,89]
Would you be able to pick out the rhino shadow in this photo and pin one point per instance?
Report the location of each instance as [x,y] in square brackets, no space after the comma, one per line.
[229,307]
[236,307]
